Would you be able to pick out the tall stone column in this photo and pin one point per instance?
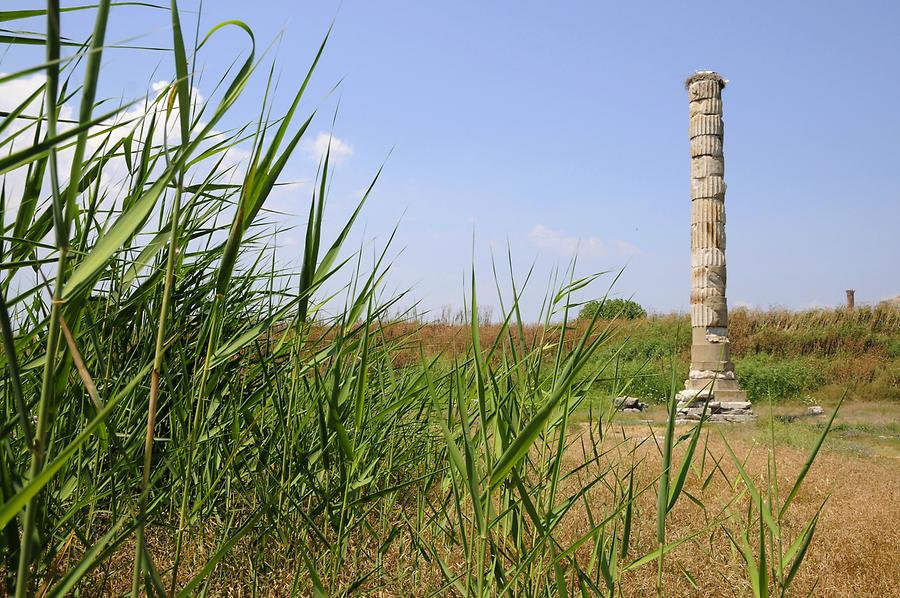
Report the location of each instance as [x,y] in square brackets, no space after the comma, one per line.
[711,383]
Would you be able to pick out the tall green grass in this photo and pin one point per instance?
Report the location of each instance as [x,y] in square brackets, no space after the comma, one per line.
[170,395]
[779,355]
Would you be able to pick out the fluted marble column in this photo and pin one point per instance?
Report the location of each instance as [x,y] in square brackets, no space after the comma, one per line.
[711,378]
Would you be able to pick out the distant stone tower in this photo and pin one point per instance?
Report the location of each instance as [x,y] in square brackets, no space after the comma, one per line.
[711,382]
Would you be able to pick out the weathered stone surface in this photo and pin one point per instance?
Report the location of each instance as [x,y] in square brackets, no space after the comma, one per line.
[706,354]
[706,106]
[710,187]
[698,296]
[717,305]
[711,376]
[735,405]
[694,415]
[685,397]
[707,257]
[707,315]
[716,302]
[701,352]
[716,365]
[709,276]
[707,210]
[714,386]
[698,335]
[704,166]
[731,394]
[814,411]
[706,124]
[706,145]
[701,90]
[715,411]
[706,235]
[721,374]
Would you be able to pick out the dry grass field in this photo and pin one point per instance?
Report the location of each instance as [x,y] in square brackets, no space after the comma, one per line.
[184,413]
[854,551]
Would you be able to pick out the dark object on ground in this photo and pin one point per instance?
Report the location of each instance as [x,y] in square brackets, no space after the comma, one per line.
[629,404]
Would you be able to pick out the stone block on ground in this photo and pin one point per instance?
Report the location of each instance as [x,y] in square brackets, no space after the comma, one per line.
[731,395]
[735,405]
[716,411]
[629,404]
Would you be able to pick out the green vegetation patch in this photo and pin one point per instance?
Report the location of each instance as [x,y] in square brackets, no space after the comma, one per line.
[766,377]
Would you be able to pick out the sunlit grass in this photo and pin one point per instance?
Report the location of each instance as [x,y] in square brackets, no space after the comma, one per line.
[170,393]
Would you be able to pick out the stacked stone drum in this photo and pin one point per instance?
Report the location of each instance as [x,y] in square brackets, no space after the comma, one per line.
[711,385]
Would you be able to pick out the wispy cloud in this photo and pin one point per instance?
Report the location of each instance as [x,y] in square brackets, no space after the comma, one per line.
[562,243]
[317,147]
[131,120]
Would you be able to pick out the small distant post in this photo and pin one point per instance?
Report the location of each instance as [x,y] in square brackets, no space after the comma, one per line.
[850,299]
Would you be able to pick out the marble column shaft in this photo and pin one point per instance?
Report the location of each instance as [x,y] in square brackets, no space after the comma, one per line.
[710,354]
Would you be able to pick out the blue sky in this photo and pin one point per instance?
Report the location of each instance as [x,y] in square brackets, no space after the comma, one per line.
[551,126]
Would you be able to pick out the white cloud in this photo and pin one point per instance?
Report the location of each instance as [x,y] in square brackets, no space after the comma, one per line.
[115,173]
[16,91]
[316,148]
[564,244]
[12,94]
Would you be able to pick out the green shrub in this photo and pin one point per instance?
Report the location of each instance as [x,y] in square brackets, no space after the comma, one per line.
[893,348]
[647,348]
[613,308]
[764,377]
[650,380]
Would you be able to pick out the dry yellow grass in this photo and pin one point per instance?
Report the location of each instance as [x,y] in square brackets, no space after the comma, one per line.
[857,544]
[855,552]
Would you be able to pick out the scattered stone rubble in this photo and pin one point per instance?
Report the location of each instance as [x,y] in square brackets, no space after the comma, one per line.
[716,411]
[629,404]
[711,380]
[813,411]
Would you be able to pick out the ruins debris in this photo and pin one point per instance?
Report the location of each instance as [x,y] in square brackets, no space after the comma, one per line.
[629,404]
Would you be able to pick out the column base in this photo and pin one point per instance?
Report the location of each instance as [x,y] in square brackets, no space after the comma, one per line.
[722,405]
